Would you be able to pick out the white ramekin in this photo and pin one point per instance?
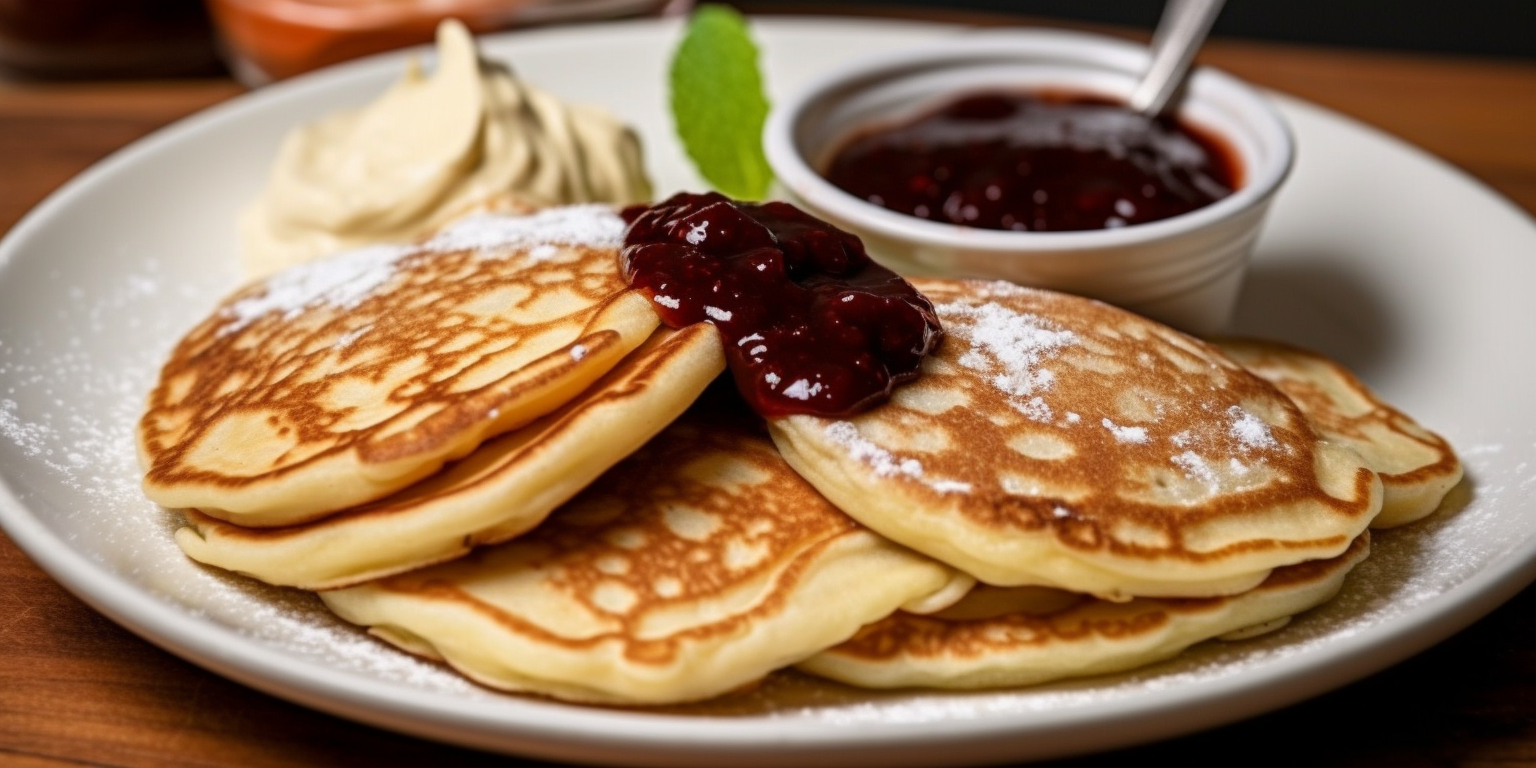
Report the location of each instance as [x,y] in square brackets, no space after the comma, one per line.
[1185,270]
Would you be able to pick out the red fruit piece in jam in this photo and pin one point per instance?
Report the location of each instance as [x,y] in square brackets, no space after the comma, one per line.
[811,324]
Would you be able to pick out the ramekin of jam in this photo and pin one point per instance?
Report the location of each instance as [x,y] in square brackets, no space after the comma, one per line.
[1010,154]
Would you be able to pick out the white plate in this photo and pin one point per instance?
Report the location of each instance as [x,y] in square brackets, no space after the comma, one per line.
[1400,266]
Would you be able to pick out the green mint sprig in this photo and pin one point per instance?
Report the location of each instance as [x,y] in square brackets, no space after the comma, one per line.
[718,102]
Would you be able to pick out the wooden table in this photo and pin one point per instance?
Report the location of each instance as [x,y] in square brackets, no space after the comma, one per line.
[75,689]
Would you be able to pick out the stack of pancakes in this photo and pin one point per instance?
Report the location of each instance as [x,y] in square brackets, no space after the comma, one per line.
[484,448]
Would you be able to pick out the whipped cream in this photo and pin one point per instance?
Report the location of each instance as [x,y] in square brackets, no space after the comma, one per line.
[468,137]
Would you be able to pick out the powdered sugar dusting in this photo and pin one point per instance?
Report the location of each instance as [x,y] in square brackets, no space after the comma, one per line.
[950,486]
[1007,346]
[347,279]
[845,434]
[1195,467]
[496,235]
[32,439]
[346,339]
[1249,429]
[802,389]
[884,463]
[1037,409]
[342,281]
[1124,434]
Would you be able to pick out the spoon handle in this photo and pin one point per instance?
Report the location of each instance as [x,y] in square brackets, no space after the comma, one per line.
[1180,32]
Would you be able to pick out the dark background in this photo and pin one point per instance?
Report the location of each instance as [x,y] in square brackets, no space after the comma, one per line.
[116,39]
[1497,28]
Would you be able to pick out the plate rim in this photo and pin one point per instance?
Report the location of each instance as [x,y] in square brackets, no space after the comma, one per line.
[439,715]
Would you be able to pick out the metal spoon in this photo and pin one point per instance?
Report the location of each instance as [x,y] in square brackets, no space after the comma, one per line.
[1179,33]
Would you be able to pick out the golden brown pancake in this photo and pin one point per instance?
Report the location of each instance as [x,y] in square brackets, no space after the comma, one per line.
[695,567]
[1062,442]
[343,380]
[1061,635]
[1417,467]
[507,486]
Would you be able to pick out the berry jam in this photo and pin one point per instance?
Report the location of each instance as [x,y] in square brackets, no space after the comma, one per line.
[811,324]
[1042,162]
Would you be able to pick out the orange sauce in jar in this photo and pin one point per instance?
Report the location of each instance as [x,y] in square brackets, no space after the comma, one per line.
[275,39]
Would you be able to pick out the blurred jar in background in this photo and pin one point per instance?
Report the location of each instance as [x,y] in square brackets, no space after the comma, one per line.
[267,40]
[105,38]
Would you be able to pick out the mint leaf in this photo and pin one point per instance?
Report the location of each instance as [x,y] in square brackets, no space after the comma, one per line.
[718,103]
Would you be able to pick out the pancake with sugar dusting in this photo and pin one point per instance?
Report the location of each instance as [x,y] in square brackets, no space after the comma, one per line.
[505,487]
[1011,636]
[695,567]
[1059,441]
[342,380]
[1417,467]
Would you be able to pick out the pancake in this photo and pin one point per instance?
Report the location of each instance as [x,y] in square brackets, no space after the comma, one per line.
[693,568]
[343,380]
[1417,467]
[1058,441]
[1056,635]
[505,487]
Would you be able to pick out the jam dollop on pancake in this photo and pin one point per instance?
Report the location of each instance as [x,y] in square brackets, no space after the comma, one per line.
[811,324]
[1057,441]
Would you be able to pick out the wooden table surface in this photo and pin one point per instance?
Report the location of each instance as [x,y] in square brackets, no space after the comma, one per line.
[75,689]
